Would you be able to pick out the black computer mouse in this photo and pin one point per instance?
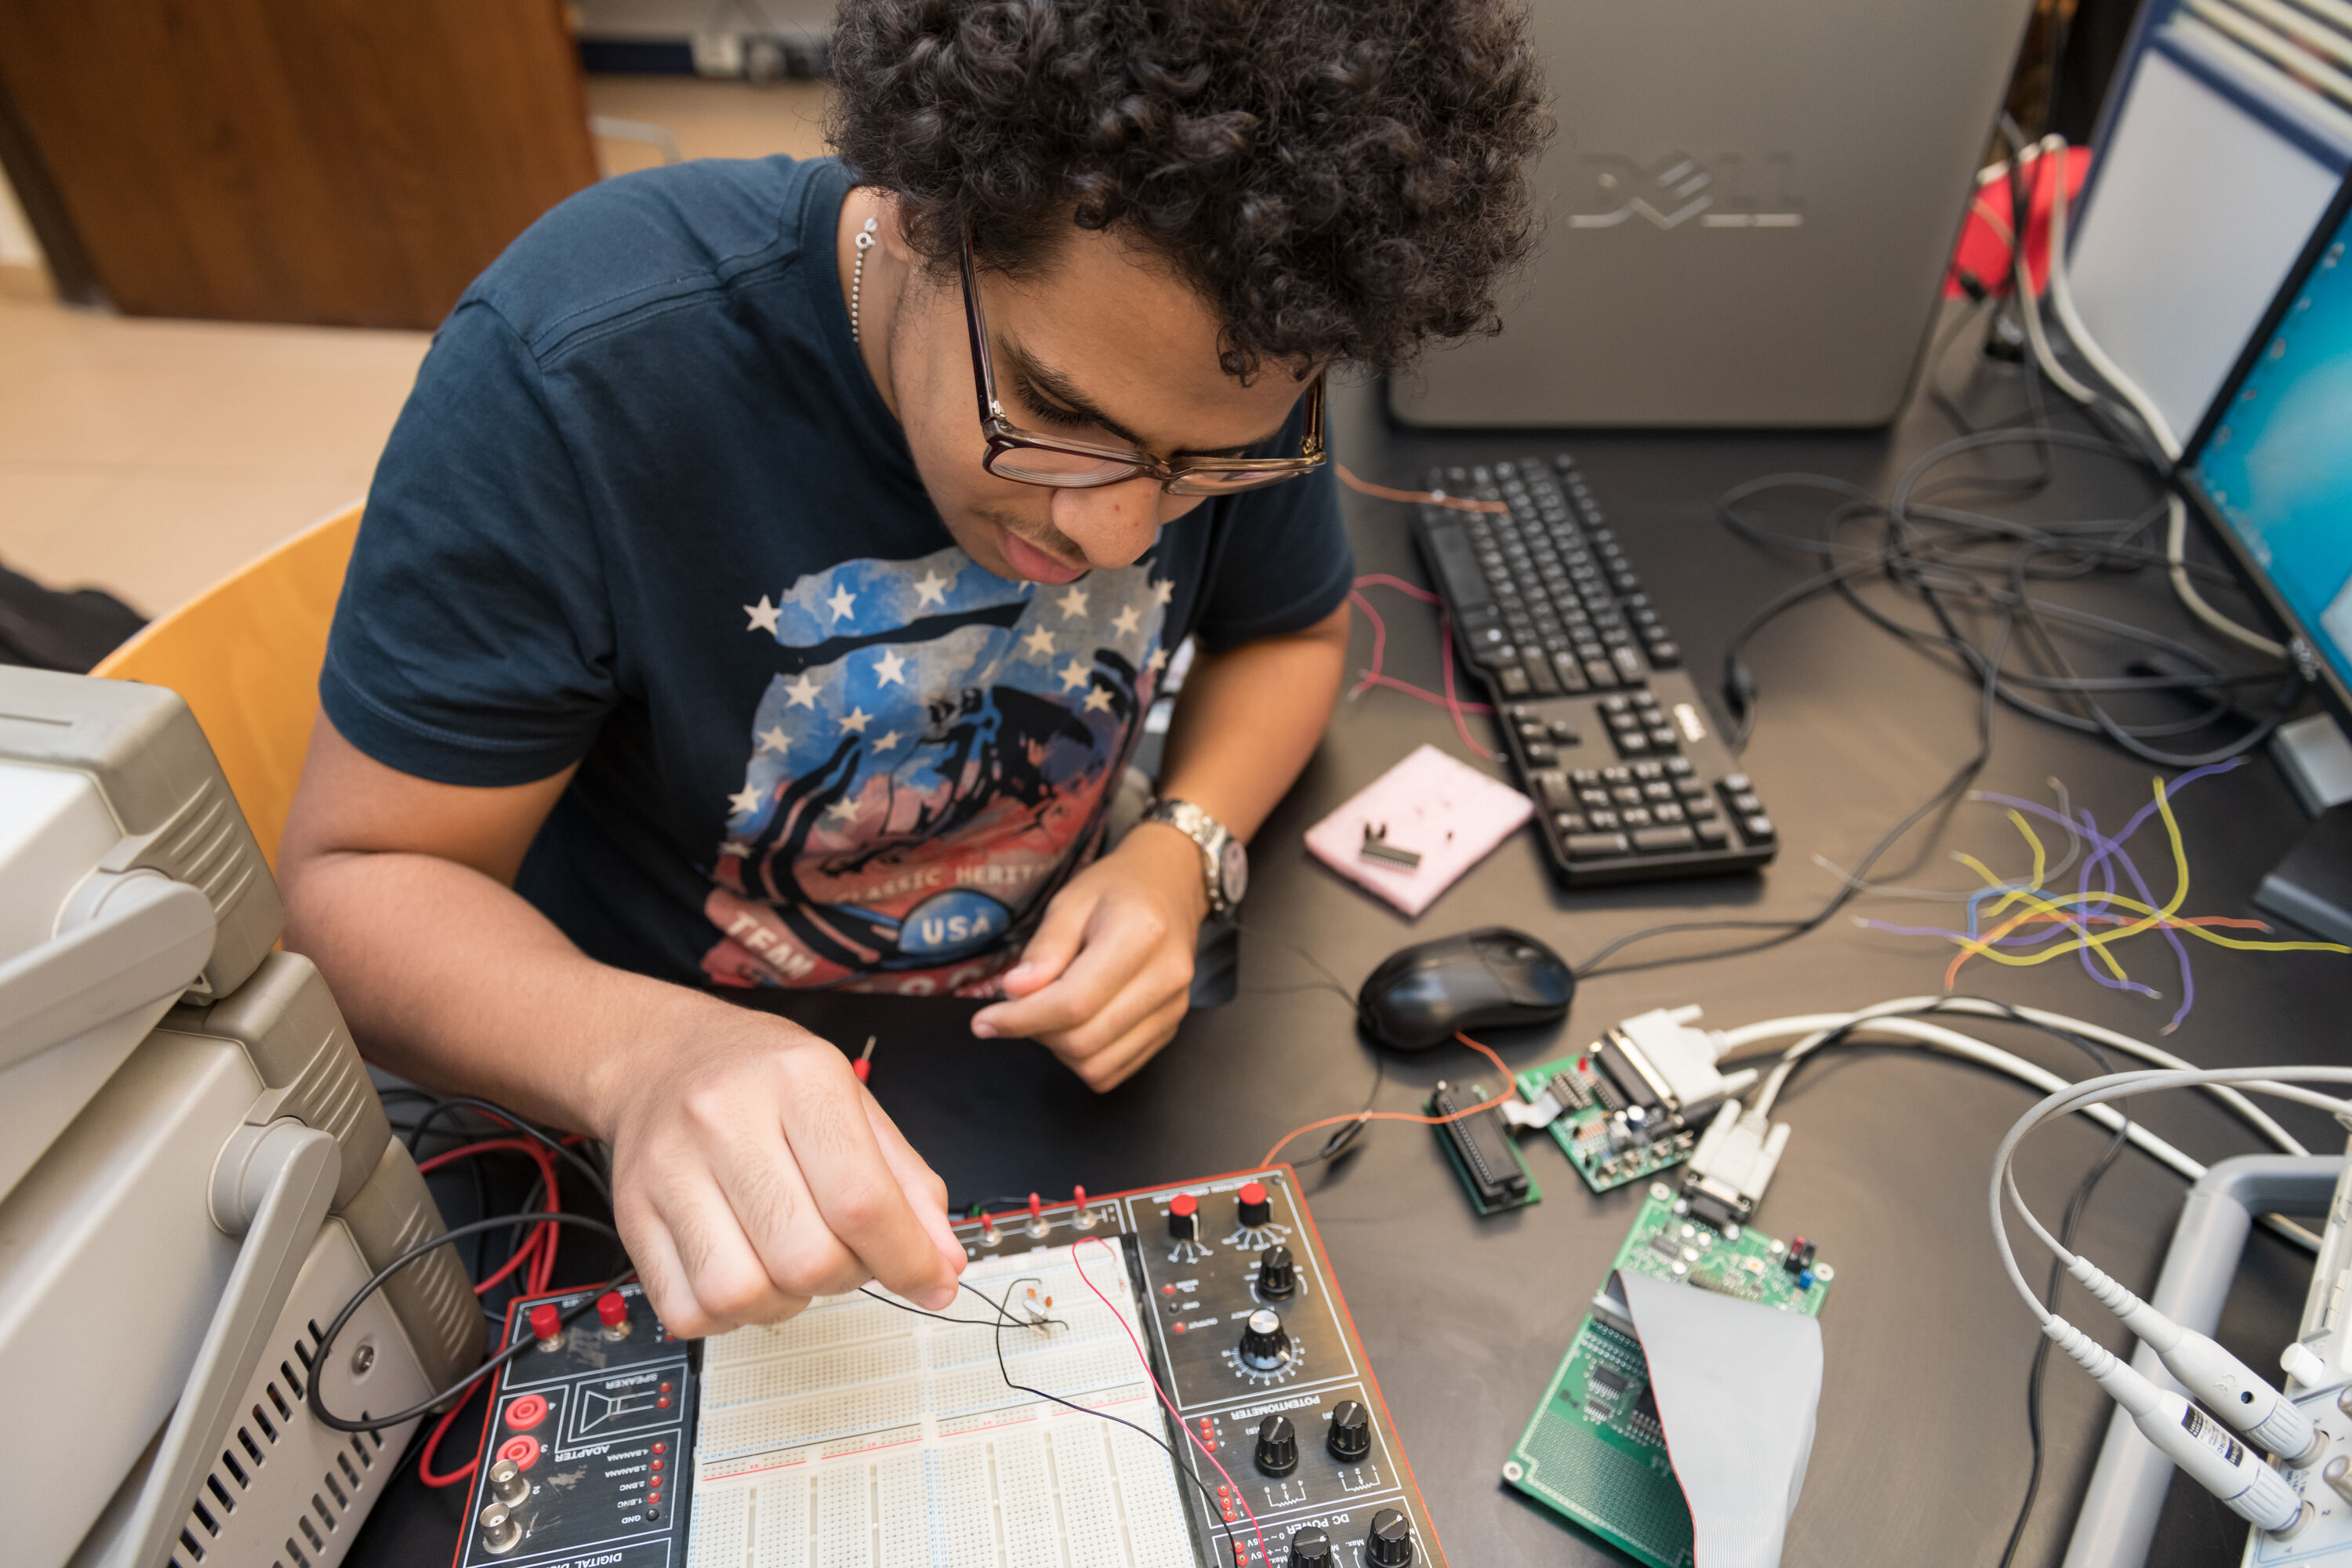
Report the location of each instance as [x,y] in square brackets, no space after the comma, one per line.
[1490,978]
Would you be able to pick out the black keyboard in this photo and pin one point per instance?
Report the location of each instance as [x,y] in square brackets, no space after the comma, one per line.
[1606,731]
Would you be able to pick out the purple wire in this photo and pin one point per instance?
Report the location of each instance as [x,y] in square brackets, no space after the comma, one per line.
[2108,852]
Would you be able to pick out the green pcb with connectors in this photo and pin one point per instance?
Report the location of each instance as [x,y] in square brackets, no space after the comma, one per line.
[1605,1158]
[1594,1449]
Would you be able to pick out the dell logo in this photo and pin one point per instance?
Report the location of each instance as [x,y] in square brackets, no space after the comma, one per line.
[1678,188]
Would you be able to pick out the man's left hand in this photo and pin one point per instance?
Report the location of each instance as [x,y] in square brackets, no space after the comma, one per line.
[1107,976]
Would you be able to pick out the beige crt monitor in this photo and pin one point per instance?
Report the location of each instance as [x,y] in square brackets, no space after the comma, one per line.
[196,1173]
[1746,213]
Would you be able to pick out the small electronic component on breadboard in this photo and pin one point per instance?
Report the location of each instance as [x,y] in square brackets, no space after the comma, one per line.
[1480,1148]
[1594,1449]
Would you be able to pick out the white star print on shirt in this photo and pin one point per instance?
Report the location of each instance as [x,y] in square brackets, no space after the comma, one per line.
[890,668]
[888,742]
[800,693]
[1128,620]
[1073,603]
[1164,590]
[1157,661]
[1074,675]
[841,604]
[932,589]
[744,801]
[855,721]
[1098,700]
[763,616]
[773,739]
[1040,643]
[843,810]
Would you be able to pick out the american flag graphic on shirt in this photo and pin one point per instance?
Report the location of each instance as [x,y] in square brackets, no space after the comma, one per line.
[932,752]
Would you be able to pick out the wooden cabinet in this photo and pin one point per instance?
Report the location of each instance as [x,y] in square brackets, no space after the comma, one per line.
[352,163]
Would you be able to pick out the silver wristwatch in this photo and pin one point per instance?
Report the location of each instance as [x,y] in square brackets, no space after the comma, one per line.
[1225,864]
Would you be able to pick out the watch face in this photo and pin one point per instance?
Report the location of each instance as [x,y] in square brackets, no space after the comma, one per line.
[1232,870]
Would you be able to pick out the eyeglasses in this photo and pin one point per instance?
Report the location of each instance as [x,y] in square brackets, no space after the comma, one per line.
[1033,458]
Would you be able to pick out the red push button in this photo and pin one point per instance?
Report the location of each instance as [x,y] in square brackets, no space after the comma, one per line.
[527,1413]
[522,1450]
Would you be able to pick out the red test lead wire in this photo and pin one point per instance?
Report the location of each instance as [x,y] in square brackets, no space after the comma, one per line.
[1264,1555]
[863,1066]
[1508,1079]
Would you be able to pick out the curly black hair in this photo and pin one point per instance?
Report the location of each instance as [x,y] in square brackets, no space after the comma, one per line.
[1338,178]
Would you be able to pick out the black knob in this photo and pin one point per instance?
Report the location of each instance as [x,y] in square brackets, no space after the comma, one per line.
[1351,1432]
[1277,1445]
[1257,1208]
[1264,1344]
[1183,1217]
[1389,1544]
[1310,1547]
[1277,1275]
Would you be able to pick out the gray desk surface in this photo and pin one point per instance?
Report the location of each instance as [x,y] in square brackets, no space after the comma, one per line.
[1922,1450]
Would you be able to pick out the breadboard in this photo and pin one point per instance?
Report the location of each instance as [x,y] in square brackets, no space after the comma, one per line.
[860,1433]
[1594,1449]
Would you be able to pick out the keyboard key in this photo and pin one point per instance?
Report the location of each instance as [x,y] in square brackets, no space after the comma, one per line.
[1747,806]
[1663,737]
[1714,835]
[1649,772]
[1678,767]
[1633,743]
[1539,676]
[1553,786]
[1602,820]
[1514,681]
[1699,807]
[1636,816]
[1567,822]
[1738,784]
[1665,655]
[1667,811]
[1600,672]
[1626,794]
[1656,789]
[1687,787]
[1759,828]
[1616,775]
[1539,754]
[1585,778]
[1563,733]
[1616,702]
[1664,840]
[1571,673]
[1530,728]
[1598,799]
[1593,846]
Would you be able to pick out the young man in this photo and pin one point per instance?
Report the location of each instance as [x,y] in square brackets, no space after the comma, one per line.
[768,576]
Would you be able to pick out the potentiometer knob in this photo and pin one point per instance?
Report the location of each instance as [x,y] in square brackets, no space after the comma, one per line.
[1277,1445]
[1277,1275]
[1310,1547]
[1184,1217]
[1266,1344]
[1351,1432]
[1255,1210]
[1389,1543]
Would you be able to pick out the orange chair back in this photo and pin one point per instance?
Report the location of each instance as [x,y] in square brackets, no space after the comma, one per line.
[246,654]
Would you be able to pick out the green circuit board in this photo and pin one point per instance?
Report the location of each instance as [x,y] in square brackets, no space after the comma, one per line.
[1584,1132]
[1594,1449]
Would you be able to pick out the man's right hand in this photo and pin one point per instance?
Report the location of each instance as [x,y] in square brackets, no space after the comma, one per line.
[753,1171]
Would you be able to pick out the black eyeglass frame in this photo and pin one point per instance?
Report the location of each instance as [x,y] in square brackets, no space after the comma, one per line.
[1004,436]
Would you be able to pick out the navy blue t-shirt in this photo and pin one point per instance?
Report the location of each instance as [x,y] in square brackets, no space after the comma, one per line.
[646,511]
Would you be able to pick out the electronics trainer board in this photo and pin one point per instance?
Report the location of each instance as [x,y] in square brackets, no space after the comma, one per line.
[863,1433]
[1594,1449]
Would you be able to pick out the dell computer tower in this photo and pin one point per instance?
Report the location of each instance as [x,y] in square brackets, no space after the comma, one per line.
[1746,213]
